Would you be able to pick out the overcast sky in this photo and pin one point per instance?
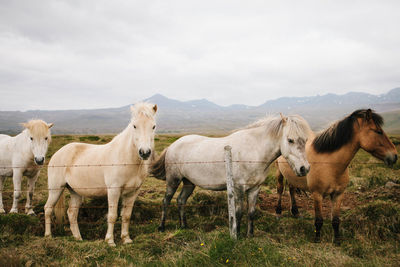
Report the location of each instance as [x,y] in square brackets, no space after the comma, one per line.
[91,54]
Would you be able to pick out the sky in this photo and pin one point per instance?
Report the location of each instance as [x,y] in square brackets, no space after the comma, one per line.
[79,54]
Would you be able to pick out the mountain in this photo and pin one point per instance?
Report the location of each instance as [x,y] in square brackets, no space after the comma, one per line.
[203,116]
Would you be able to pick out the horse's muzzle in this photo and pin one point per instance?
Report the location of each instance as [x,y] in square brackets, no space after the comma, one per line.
[303,171]
[390,159]
[144,154]
[39,160]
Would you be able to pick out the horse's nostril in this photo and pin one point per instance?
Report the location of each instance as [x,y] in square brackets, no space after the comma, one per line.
[302,169]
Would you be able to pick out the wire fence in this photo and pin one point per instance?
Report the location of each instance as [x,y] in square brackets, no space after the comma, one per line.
[143,192]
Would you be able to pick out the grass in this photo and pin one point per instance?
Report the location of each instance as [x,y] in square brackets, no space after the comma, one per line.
[370,227]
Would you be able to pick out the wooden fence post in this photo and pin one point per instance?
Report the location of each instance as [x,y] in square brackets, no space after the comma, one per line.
[231,192]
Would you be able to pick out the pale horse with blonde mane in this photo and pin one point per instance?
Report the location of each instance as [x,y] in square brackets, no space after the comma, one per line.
[20,156]
[116,169]
[199,160]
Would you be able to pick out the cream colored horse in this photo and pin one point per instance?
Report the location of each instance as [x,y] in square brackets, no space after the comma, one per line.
[115,170]
[19,156]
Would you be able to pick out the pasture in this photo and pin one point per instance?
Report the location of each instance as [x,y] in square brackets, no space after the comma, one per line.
[370,225]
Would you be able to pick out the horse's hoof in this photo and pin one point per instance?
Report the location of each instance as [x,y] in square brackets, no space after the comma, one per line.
[31,213]
[161,229]
[337,241]
[2,211]
[317,240]
[13,211]
[111,244]
[278,218]
[127,241]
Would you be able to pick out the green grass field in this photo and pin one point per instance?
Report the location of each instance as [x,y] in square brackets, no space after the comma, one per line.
[370,226]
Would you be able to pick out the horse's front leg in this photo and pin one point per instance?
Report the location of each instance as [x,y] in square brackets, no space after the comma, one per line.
[293,205]
[319,221]
[251,203]
[17,177]
[279,188]
[29,195]
[113,194]
[2,178]
[336,202]
[127,204]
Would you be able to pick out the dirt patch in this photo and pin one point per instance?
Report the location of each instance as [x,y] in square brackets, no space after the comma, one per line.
[268,202]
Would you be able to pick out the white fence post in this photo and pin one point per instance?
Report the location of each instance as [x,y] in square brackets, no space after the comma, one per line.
[230,192]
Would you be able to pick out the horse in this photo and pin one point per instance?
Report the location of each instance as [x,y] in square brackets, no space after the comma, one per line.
[20,156]
[329,154]
[116,169]
[199,161]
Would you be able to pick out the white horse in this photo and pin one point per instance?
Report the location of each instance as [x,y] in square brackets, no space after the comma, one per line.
[115,170]
[199,160]
[20,155]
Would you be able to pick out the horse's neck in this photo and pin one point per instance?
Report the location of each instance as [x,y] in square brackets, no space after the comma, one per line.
[124,144]
[345,154]
[268,146]
[22,146]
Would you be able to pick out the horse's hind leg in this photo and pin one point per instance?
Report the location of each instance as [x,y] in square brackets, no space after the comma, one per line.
[2,178]
[293,205]
[187,190]
[73,210]
[172,185]
[126,212]
[54,196]
[29,195]
[280,186]
[252,195]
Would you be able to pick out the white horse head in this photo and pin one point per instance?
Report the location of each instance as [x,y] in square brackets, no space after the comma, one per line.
[38,135]
[295,132]
[143,124]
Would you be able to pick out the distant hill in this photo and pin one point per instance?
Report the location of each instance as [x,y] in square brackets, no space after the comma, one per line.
[203,116]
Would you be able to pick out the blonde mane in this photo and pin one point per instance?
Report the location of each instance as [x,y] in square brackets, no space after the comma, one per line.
[297,126]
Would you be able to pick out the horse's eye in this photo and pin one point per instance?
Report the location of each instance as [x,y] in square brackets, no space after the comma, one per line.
[380,132]
[46,138]
[134,126]
[290,141]
[31,138]
[154,127]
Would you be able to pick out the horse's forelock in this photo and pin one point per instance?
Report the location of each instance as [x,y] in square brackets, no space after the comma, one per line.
[298,127]
[144,109]
[37,128]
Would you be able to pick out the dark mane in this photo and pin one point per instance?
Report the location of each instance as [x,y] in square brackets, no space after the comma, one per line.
[341,132]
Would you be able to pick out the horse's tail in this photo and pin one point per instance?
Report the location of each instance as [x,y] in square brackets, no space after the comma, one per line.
[59,209]
[157,169]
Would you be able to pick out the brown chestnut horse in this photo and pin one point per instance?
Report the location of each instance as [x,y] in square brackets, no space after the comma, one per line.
[329,154]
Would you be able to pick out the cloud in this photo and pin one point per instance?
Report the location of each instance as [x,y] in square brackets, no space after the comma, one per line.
[85,54]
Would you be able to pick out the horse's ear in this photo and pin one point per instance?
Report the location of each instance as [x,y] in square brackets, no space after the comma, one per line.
[284,119]
[24,124]
[50,125]
[132,108]
[155,108]
[368,115]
